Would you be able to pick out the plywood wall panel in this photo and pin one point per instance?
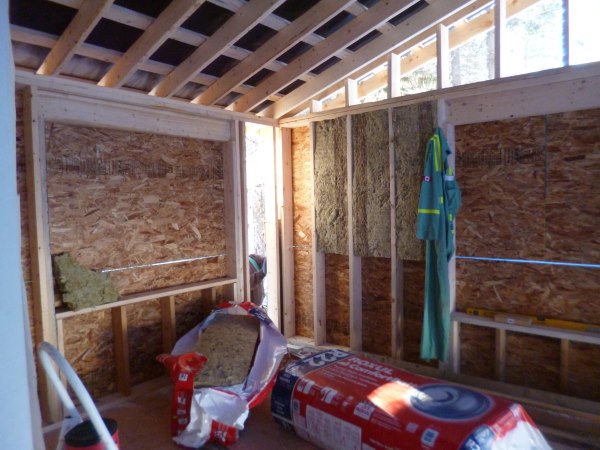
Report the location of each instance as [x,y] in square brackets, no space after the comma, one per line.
[144,332]
[89,350]
[500,169]
[331,186]
[533,361]
[584,371]
[376,306]
[413,126]
[118,199]
[414,283]
[477,351]
[190,310]
[337,300]
[303,238]
[371,184]
[573,194]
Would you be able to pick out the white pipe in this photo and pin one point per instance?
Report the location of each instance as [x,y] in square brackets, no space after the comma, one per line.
[47,351]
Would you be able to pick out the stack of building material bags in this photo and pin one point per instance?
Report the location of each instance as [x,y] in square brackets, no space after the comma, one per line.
[339,400]
[221,368]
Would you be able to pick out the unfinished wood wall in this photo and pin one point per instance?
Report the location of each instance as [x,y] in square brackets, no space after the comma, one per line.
[119,199]
[303,230]
[530,192]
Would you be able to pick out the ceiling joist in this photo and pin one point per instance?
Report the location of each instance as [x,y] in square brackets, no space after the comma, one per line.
[423,19]
[76,33]
[279,43]
[242,22]
[154,36]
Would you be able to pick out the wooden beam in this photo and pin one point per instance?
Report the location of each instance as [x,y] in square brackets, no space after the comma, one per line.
[443,56]
[318,273]
[177,12]
[354,262]
[287,235]
[242,21]
[76,33]
[270,50]
[499,25]
[460,33]
[565,347]
[566,34]
[272,230]
[394,73]
[141,21]
[500,367]
[397,267]
[427,17]
[39,243]
[121,349]
[168,322]
[351,92]
[233,212]
[141,297]
[345,36]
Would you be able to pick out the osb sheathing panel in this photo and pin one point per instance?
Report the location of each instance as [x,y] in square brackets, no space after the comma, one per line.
[413,126]
[584,371]
[89,349]
[303,238]
[533,361]
[550,291]
[500,169]
[529,192]
[191,309]
[371,184]
[376,306]
[144,332]
[413,282]
[477,351]
[573,198]
[331,186]
[337,300]
[119,199]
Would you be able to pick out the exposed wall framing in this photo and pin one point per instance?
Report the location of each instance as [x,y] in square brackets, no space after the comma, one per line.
[498,345]
[122,194]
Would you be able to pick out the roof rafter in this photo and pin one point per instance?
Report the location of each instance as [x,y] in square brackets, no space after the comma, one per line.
[42,39]
[141,21]
[405,30]
[75,34]
[155,35]
[241,22]
[283,40]
[459,35]
[357,28]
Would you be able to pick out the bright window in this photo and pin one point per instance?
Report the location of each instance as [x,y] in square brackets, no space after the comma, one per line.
[533,39]
[584,40]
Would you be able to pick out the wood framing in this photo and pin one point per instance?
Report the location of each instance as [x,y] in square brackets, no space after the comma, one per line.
[272,233]
[154,36]
[39,235]
[319,307]
[394,73]
[443,56]
[78,30]
[431,15]
[363,24]
[242,21]
[168,322]
[397,275]
[233,214]
[288,304]
[121,349]
[354,261]
[283,40]
[499,30]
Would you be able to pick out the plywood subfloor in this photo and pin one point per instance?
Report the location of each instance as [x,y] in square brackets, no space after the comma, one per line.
[144,424]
